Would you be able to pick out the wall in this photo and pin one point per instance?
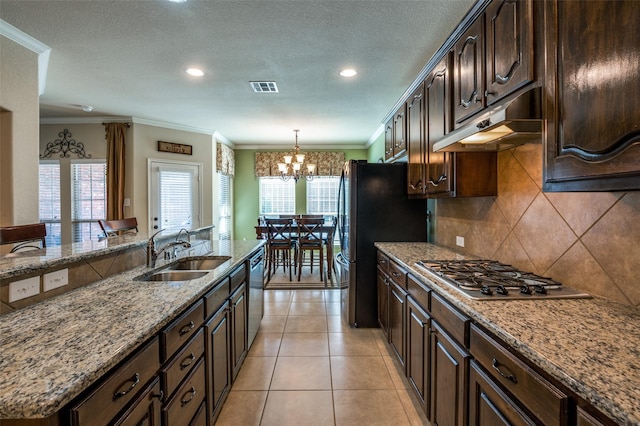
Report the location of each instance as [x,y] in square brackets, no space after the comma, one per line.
[376,149]
[584,240]
[19,143]
[145,145]
[246,192]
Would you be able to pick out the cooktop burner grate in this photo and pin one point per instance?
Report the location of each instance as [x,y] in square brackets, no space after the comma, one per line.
[492,280]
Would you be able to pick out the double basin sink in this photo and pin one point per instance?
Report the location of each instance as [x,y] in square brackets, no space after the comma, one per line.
[188,268]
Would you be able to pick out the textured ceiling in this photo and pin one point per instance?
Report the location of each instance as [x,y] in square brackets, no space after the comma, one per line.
[127,58]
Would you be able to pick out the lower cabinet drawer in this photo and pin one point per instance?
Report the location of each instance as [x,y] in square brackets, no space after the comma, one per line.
[146,408]
[535,393]
[200,419]
[184,404]
[118,389]
[182,363]
[181,329]
[456,324]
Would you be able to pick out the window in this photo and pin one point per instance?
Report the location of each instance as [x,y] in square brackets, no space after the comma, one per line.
[322,195]
[224,202]
[175,195]
[88,199]
[277,196]
[49,194]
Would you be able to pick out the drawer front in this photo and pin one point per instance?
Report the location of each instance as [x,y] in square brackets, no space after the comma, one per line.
[145,410]
[418,292]
[200,419]
[539,396]
[456,324]
[187,400]
[383,262]
[237,277]
[398,274]
[181,329]
[119,388]
[182,363]
[216,297]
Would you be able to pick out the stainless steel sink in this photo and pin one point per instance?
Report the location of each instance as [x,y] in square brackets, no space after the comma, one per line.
[199,263]
[173,276]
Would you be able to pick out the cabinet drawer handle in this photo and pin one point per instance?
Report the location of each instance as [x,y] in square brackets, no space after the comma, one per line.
[187,328]
[191,393]
[438,181]
[187,361]
[418,186]
[134,381]
[496,366]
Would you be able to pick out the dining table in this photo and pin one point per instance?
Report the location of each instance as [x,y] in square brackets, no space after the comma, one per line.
[327,230]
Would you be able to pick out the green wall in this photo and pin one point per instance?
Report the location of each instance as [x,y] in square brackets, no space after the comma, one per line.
[376,150]
[245,203]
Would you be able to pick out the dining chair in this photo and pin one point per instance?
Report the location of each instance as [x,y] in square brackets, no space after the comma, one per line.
[279,246]
[24,236]
[309,238]
[312,216]
[112,228]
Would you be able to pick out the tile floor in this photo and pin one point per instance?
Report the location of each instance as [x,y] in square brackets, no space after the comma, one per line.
[306,367]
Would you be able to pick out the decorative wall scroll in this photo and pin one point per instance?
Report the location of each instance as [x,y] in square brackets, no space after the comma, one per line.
[64,146]
[176,148]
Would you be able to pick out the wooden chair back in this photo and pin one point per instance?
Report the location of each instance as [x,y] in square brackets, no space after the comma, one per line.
[310,232]
[312,216]
[24,235]
[279,232]
[117,227]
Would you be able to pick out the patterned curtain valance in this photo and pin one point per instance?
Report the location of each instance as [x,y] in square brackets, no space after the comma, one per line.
[225,160]
[327,163]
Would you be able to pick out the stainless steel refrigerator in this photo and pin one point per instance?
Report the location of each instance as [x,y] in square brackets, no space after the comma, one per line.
[372,207]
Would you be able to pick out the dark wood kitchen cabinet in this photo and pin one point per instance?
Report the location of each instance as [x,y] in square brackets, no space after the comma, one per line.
[493,58]
[418,352]
[397,308]
[592,85]
[382,278]
[218,360]
[239,330]
[145,410]
[395,143]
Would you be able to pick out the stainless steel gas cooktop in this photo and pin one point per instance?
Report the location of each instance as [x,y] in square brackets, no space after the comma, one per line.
[491,280]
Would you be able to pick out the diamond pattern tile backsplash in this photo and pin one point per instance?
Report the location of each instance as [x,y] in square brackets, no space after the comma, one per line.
[586,240]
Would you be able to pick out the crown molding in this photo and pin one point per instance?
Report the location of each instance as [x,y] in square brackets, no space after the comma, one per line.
[25,40]
[375,135]
[306,147]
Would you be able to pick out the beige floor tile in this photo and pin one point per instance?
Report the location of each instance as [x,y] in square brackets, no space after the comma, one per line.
[307,308]
[278,295]
[369,407]
[255,374]
[242,408]
[265,344]
[333,308]
[306,324]
[302,373]
[332,296]
[273,324]
[395,371]
[308,296]
[353,342]
[360,372]
[296,408]
[381,341]
[304,344]
[337,324]
[276,308]
[412,408]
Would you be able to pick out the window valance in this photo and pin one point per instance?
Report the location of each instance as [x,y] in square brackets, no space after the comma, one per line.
[225,160]
[327,163]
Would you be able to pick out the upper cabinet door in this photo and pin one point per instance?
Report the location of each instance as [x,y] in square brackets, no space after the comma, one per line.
[388,139]
[468,76]
[399,130]
[509,47]
[592,69]
[416,143]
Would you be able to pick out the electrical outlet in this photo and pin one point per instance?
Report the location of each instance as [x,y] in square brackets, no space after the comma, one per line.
[460,241]
[24,288]
[55,279]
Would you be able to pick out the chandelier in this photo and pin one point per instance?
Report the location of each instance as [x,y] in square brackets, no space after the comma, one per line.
[296,169]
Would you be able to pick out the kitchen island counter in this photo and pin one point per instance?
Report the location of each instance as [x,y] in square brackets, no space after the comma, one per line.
[591,346]
[53,350]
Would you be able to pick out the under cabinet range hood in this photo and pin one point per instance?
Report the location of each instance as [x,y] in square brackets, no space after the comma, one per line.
[499,127]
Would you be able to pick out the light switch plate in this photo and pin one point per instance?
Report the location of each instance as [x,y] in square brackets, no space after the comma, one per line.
[55,279]
[460,241]
[24,288]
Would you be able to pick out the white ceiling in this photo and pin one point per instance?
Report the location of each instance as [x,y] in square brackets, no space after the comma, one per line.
[127,58]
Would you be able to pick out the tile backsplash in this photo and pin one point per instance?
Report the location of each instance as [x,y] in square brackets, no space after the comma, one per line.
[586,240]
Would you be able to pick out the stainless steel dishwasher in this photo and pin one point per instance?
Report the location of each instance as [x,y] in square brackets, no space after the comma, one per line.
[256,294]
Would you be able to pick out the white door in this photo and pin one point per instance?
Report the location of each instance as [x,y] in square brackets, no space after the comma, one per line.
[175,193]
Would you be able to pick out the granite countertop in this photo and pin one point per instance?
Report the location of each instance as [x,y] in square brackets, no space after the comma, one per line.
[591,346]
[53,350]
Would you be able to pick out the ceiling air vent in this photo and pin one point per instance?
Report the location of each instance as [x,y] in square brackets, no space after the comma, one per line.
[264,86]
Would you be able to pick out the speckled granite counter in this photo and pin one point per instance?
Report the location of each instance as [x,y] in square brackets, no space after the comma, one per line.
[592,346]
[53,350]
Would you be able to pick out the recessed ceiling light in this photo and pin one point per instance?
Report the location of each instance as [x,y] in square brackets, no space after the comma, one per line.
[348,72]
[86,108]
[195,72]
[178,1]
